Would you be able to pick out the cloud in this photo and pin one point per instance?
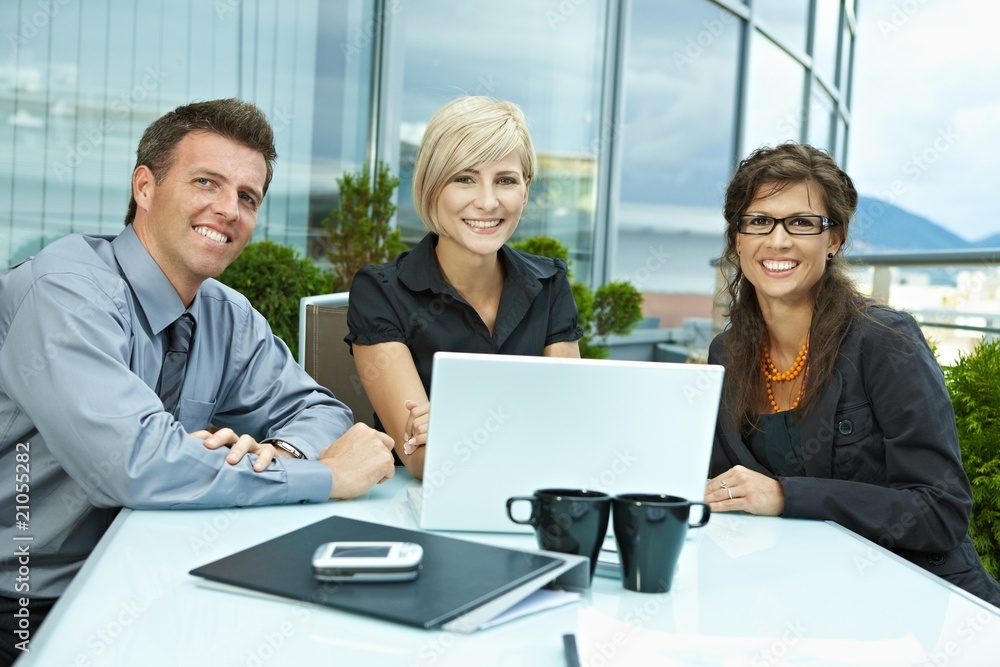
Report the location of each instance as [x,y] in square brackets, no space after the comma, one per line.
[925,126]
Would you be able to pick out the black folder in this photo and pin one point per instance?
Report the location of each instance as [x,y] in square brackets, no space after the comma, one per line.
[456,576]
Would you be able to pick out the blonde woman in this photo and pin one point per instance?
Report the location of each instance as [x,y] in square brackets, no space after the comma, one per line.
[461,289]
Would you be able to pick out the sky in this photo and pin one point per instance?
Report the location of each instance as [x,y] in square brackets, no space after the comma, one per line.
[925,133]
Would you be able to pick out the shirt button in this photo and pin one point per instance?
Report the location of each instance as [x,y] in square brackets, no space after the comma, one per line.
[845,427]
[936,558]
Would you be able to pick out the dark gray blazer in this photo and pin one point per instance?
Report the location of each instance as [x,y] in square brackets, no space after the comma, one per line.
[880,451]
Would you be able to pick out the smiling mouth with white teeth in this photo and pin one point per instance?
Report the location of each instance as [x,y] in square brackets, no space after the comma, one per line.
[209,234]
[481,224]
[779,266]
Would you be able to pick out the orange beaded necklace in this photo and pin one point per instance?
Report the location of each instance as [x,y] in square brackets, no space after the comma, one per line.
[771,374]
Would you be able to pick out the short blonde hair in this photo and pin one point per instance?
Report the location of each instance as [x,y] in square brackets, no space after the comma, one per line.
[463,134]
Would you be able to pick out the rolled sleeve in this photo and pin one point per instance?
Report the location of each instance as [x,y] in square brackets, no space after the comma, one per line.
[564,318]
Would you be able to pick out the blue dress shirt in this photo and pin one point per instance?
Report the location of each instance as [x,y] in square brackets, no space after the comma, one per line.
[82,340]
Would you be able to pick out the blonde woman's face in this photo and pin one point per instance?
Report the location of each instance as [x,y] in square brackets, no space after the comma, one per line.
[479,208]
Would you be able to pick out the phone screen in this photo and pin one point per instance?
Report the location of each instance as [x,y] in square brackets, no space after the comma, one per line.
[360,552]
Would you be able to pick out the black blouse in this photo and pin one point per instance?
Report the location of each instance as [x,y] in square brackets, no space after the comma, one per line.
[777,444]
[407,300]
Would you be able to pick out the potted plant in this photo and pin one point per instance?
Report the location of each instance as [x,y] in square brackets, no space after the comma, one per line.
[358,232]
[613,308]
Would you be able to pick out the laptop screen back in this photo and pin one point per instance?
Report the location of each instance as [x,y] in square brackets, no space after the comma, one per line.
[503,426]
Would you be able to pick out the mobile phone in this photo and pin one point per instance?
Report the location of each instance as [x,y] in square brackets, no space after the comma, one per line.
[367,561]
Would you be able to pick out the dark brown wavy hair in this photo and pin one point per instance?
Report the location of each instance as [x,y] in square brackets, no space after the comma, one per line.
[837,300]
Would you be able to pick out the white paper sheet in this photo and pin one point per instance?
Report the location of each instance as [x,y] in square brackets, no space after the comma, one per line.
[604,640]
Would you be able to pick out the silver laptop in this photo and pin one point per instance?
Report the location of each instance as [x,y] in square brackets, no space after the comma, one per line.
[505,426]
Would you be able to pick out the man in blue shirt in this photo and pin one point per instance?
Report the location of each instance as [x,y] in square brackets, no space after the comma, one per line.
[96,415]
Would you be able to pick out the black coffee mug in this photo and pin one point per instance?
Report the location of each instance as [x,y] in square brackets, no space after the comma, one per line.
[570,521]
[650,530]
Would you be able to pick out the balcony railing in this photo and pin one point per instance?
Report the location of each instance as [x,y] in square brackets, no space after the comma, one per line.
[986,292]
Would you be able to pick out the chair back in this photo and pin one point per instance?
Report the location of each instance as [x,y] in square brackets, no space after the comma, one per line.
[327,358]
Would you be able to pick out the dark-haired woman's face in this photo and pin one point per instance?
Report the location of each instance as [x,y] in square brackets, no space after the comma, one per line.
[785,268]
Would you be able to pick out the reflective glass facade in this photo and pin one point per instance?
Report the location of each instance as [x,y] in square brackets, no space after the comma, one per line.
[639,109]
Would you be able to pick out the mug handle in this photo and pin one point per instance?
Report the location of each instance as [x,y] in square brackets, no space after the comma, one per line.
[706,512]
[531,518]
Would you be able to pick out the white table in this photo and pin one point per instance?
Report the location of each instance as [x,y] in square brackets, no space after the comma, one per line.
[775,583]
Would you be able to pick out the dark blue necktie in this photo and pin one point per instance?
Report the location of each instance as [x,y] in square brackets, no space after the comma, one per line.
[179,336]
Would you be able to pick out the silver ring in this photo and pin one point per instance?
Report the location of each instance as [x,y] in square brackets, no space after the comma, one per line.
[724,484]
[730,493]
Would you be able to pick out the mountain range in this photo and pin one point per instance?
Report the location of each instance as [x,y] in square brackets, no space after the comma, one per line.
[880,226]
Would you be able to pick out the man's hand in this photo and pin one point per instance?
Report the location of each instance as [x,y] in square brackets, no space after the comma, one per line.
[240,446]
[359,459]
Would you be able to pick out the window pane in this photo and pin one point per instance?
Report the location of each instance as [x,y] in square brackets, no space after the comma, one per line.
[547,57]
[841,142]
[825,39]
[785,21]
[86,80]
[340,116]
[820,118]
[774,96]
[845,64]
[676,152]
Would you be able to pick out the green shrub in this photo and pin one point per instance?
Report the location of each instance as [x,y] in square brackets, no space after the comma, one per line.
[974,384]
[614,308]
[359,233]
[273,277]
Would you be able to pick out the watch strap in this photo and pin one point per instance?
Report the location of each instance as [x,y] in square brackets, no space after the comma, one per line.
[285,447]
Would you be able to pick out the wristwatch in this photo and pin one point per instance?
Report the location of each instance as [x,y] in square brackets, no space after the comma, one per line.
[291,450]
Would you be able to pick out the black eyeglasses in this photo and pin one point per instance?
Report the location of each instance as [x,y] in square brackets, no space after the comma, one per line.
[798,225]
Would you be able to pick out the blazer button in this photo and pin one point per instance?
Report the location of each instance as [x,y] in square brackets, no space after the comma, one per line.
[936,558]
[845,427]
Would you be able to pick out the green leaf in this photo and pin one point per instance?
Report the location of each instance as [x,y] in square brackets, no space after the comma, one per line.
[273,277]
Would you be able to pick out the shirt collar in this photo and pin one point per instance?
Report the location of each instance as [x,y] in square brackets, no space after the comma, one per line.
[419,271]
[157,297]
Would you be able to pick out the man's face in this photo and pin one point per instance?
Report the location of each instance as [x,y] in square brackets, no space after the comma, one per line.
[196,221]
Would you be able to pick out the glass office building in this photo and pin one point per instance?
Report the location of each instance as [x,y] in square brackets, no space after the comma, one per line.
[639,109]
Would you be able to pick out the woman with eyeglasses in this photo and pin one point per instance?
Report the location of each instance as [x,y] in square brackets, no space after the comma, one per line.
[834,408]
